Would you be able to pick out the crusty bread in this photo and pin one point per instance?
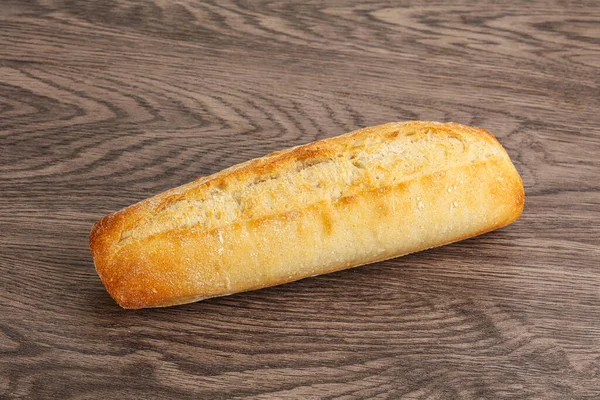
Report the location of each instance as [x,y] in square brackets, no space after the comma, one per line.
[369,195]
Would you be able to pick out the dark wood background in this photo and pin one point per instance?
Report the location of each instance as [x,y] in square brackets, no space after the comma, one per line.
[104,103]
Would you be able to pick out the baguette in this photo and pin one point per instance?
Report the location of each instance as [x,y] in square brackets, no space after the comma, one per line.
[369,195]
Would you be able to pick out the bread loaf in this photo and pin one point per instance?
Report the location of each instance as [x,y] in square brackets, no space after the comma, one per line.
[369,195]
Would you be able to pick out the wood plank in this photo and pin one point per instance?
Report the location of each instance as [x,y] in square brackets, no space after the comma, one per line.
[104,103]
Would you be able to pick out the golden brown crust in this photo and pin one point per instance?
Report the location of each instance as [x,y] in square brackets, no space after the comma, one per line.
[368,195]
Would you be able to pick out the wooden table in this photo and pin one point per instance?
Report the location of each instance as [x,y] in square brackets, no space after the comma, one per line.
[104,103]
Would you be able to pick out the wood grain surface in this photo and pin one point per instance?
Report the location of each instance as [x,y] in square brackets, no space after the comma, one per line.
[106,102]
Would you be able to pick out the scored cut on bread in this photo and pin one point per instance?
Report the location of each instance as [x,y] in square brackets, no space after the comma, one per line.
[365,196]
